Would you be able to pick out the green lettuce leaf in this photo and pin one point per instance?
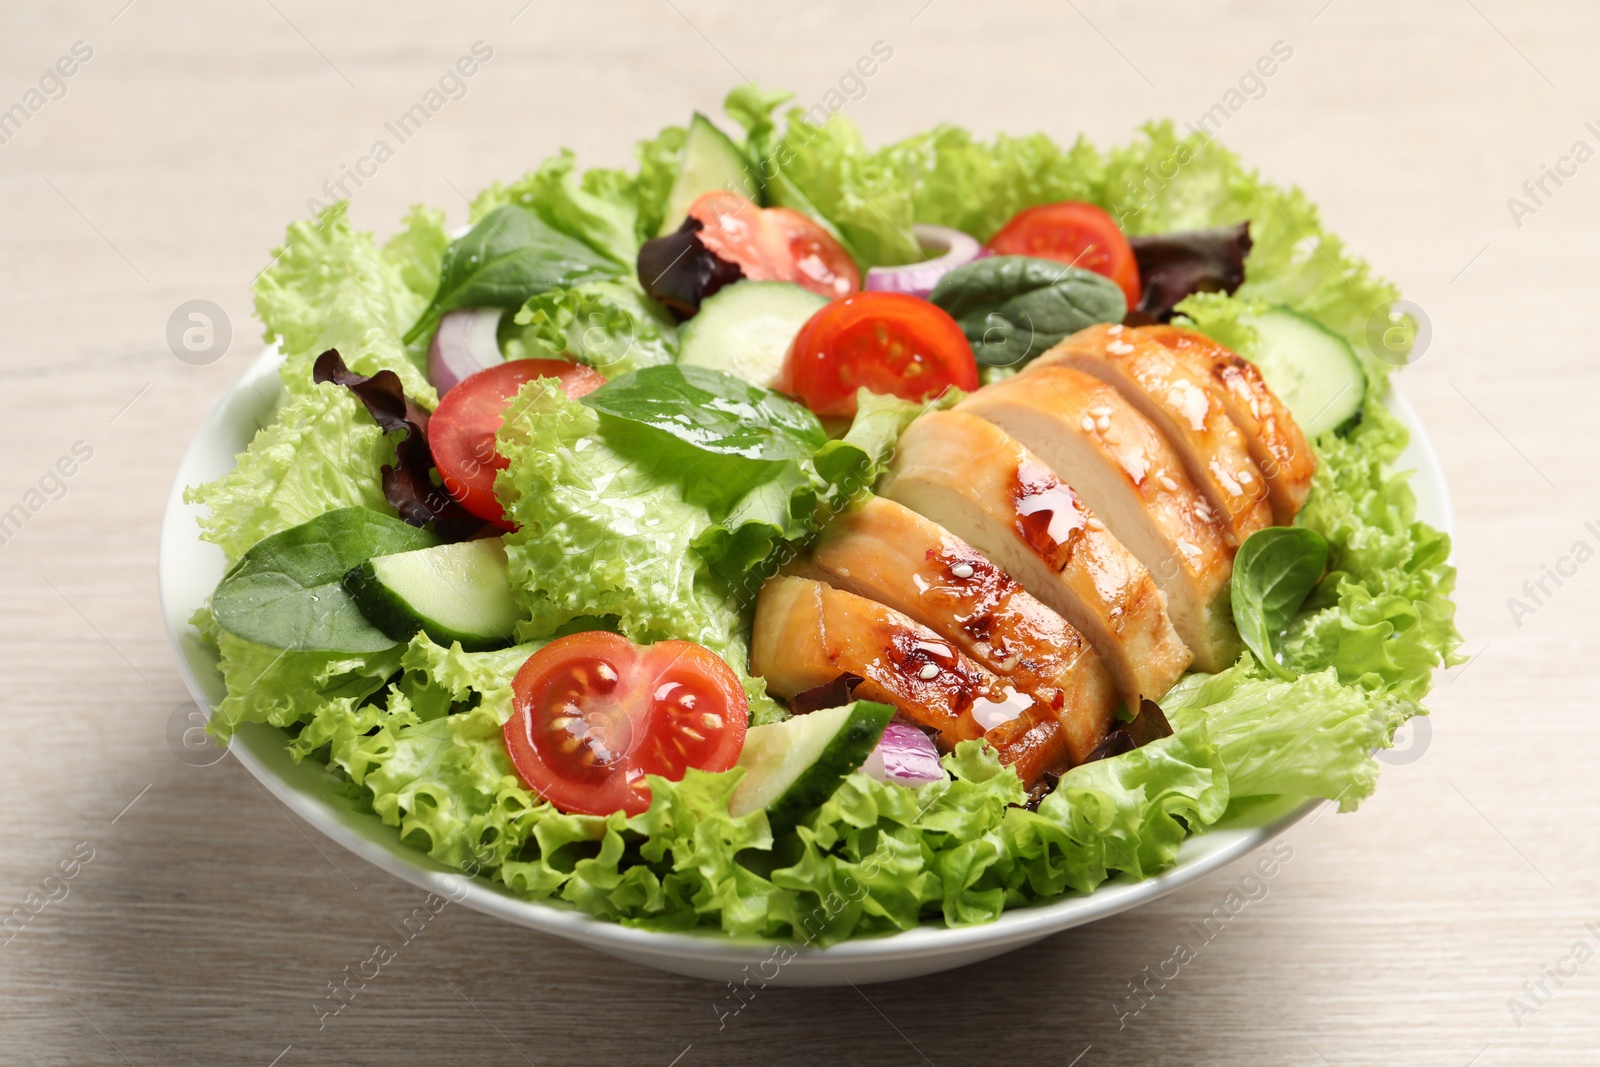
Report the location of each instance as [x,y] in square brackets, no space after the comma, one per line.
[784,511]
[865,200]
[658,158]
[1129,813]
[322,452]
[854,462]
[611,211]
[332,287]
[1367,640]
[417,251]
[1311,737]
[602,532]
[284,687]
[609,325]
[776,511]
[957,180]
[607,527]
[1382,616]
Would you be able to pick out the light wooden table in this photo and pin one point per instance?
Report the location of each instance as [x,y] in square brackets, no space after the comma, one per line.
[207,922]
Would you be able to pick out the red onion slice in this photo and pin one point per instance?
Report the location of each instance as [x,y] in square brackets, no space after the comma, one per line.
[952,249]
[905,756]
[464,344]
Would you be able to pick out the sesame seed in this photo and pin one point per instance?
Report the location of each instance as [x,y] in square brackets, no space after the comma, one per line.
[1119,348]
[1187,549]
[1100,412]
[1088,424]
[1095,524]
[928,672]
[962,570]
[1168,484]
[1244,478]
[1103,423]
[1008,664]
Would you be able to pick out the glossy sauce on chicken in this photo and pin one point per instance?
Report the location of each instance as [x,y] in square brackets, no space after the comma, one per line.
[1050,518]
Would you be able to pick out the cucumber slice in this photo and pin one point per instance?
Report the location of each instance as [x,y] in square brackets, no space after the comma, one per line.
[1313,370]
[710,161]
[746,328]
[456,592]
[793,766]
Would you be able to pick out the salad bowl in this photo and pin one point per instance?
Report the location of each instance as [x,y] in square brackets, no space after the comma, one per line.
[189,569]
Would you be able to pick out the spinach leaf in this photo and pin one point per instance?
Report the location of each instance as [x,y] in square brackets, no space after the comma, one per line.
[1012,308]
[713,411]
[510,255]
[1273,573]
[285,592]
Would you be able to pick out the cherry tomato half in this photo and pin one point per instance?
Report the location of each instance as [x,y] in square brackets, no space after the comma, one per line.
[888,342]
[461,429]
[774,244]
[593,713]
[1076,233]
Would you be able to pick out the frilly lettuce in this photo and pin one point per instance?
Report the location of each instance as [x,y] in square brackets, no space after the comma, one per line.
[282,687]
[1311,737]
[328,287]
[333,287]
[1127,814]
[322,452]
[607,527]
[609,325]
[1382,617]
[612,211]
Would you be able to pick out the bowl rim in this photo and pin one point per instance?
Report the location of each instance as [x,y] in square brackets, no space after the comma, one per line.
[1206,852]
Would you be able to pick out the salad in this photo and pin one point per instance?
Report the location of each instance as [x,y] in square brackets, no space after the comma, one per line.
[811,541]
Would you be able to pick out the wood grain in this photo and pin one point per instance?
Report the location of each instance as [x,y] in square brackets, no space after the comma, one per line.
[207,923]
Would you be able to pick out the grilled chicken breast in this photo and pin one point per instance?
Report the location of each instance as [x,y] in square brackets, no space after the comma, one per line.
[1120,464]
[1185,406]
[886,552]
[1276,444]
[807,634]
[972,479]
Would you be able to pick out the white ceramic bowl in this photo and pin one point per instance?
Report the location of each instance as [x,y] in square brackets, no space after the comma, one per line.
[190,569]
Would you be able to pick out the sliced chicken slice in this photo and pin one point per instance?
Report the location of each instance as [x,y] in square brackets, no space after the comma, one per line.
[1186,406]
[1127,472]
[980,484]
[1274,439]
[886,552]
[807,634]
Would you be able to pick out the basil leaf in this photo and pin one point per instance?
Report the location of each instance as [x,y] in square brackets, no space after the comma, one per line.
[1013,308]
[510,255]
[285,592]
[1273,573]
[713,411]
